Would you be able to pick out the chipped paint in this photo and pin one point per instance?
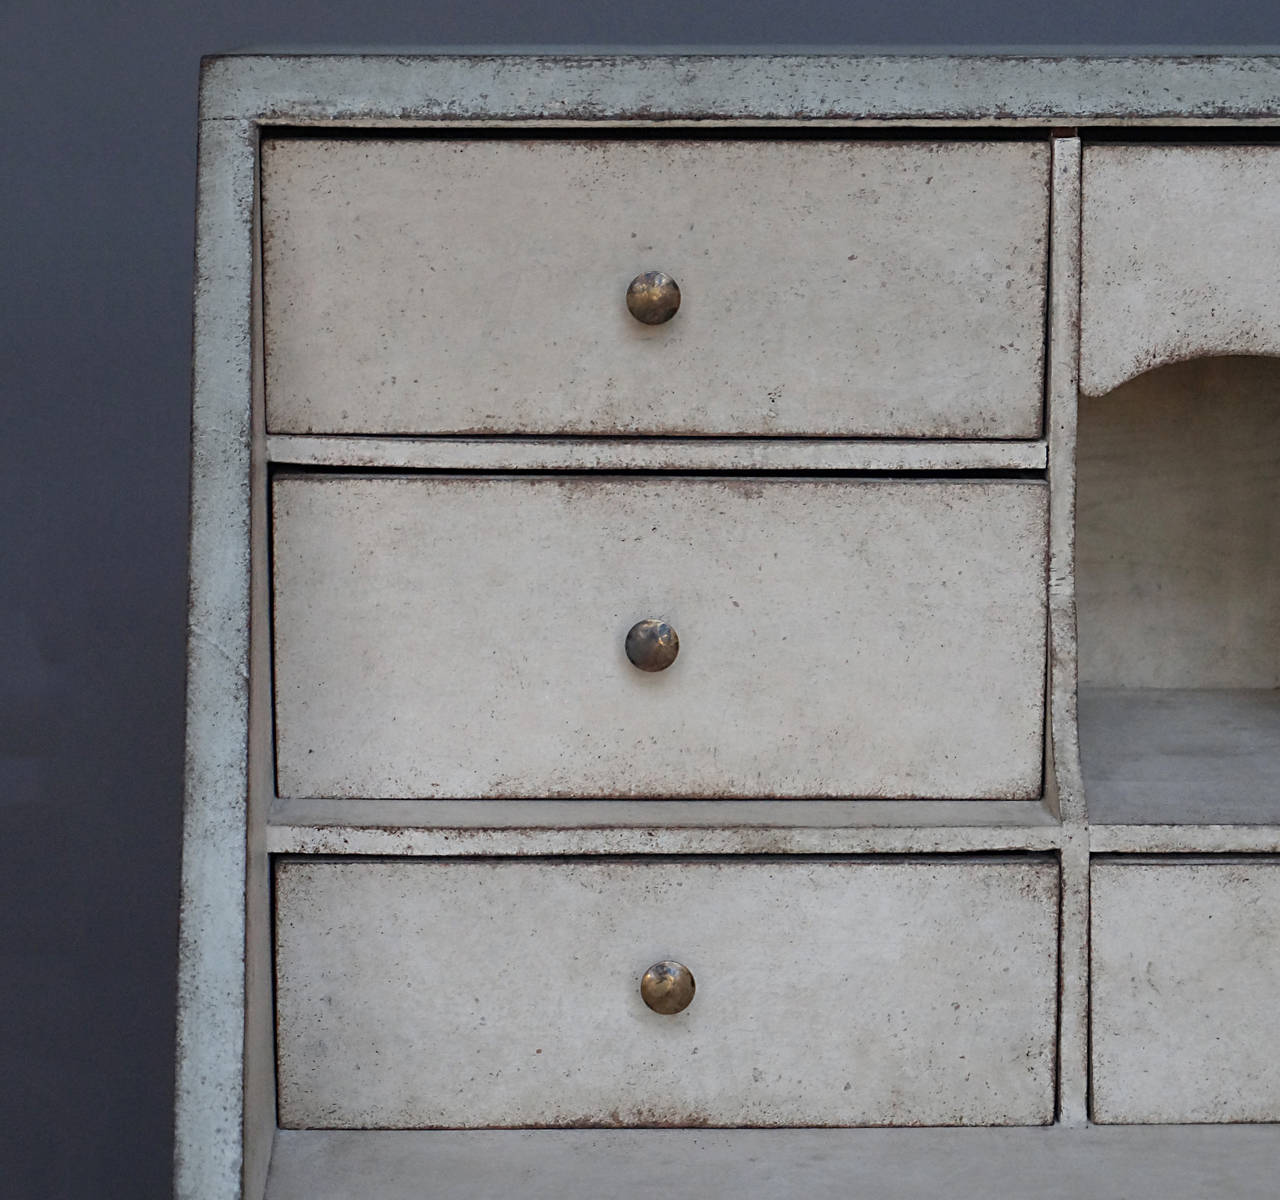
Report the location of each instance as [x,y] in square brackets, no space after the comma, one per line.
[1045,89]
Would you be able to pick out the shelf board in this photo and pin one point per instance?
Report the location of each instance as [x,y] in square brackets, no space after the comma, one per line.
[652,454]
[560,827]
[1184,839]
[1177,756]
[1169,1162]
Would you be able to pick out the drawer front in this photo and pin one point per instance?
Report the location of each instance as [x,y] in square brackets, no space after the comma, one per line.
[1186,971]
[827,287]
[506,992]
[464,637]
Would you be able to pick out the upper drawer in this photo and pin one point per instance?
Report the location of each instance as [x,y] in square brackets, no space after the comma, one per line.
[478,286]
[464,637]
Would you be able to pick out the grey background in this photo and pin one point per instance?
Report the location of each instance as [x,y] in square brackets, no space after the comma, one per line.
[99,180]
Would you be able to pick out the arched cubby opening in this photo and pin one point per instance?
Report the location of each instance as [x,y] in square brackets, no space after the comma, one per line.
[1178,594]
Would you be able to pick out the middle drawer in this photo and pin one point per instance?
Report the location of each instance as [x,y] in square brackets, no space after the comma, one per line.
[451,636]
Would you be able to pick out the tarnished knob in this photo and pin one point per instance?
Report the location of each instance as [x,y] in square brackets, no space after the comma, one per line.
[653,297]
[667,987]
[652,645]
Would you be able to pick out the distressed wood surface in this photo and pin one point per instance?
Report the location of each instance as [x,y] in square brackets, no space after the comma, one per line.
[209,1088]
[1172,838]
[829,288]
[1178,261]
[1178,533]
[655,454]
[467,828]
[1186,969]
[1182,755]
[460,637]
[1137,1162]
[1015,86]
[1205,202]
[1063,791]
[455,993]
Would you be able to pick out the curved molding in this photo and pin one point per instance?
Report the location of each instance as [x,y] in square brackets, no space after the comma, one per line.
[1179,257]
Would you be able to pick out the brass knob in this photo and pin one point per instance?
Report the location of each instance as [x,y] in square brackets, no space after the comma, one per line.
[652,645]
[653,297]
[667,987]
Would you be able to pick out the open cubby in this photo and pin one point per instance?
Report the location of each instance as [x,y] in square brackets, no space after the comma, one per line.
[1178,592]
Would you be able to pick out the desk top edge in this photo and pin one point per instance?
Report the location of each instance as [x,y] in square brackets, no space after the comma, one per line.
[1049,85]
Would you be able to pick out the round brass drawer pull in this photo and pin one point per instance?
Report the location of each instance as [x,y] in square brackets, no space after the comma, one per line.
[652,645]
[667,987]
[653,297]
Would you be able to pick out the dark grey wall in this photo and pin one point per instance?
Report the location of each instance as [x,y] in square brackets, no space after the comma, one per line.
[98,190]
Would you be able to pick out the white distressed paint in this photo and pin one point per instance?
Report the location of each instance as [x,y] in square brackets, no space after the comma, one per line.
[1178,258]
[1170,838]
[1017,86]
[259,992]
[455,637]
[1186,970]
[1178,578]
[1138,1163]
[827,287]
[415,841]
[422,828]
[1063,790]
[1063,777]
[726,817]
[209,1106]
[595,92]
[1178,538]
[655,454]
[450,993]
[1182,755]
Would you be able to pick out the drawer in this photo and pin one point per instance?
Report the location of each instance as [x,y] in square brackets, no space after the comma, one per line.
[460,636]
[419,993]
[1186,971]
[454,285]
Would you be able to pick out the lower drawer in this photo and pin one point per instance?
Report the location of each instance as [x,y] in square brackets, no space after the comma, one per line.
[1185,975]
[469,993]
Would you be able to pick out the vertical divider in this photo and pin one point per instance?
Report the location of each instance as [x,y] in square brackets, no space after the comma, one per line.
[259,1000]
[1064,780]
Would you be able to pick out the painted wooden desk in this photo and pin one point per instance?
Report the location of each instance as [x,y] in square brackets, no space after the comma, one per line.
[729,591]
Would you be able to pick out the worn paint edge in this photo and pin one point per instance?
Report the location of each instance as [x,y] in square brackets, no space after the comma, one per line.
[1063,778]
[1063,372]
[1184,839]
[587,86]
[752,815]
[1073,982]
[1107,366]
[259,991]
[209,1101]
[647,454]
[443,842]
